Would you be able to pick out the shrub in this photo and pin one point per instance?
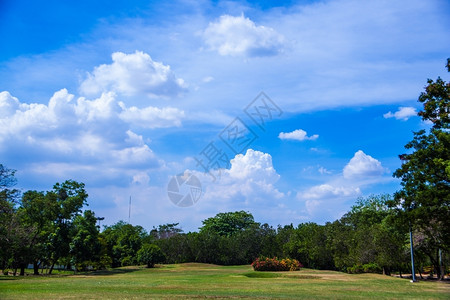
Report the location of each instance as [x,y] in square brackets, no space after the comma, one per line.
[366,268]
[372,268]
[355,269]
[273,264]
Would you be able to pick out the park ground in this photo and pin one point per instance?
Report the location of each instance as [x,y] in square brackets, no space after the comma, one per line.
[204,281]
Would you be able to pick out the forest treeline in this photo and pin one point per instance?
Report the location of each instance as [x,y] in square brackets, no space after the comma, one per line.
[53,228]
[50,228]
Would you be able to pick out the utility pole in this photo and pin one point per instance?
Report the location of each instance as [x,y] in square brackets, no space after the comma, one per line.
[412,254]
[100,219]
[129,212]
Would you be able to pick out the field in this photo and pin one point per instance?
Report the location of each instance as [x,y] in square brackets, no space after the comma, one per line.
[199,281]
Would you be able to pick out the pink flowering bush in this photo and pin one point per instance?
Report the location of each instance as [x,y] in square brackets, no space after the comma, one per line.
[273,264]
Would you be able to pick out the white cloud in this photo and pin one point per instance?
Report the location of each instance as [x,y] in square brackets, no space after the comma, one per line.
[327,191]
[250,179]
[403,113]
[133,74]
[152,117]
[95,132]
[8,104]
[362,165]
[298,135]
[329,200]
[322,171]
[241,36]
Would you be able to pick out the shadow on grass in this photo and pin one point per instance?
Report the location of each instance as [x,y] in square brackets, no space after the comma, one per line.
[277,275]
[110,272]
[10,277]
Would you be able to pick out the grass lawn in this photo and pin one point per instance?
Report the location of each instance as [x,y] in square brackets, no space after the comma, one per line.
[193,281]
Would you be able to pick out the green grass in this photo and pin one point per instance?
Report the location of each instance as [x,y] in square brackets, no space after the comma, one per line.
[193,281]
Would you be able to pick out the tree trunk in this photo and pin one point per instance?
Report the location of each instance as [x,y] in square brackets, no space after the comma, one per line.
[22,270]
[51,268]
[387,271]
[36,268]
[441,266]
[401,275]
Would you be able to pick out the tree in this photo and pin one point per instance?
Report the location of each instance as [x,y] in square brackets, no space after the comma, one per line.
[68,199]
[150,255]
[37,212]
[366,235]
[7,182]
[10,232]
[165,231]
[85,246]
[311,248]
[425,173]
[123,241]
[226,224]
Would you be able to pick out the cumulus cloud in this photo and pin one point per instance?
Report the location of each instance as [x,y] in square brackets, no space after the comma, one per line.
[297,135]
[240,36]
[85,131]
[328,200]
[152,117]
[133,74]
[327,191]
[250,179]
[362,165]
[403,113]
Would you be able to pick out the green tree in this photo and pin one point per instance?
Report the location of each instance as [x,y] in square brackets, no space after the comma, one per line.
[150,255]
[123,241]
[425,172]
[226,224]
[85,246]
[367,235]
[13,236]
[165,231]
[68,199]
[311,247]
[38,213]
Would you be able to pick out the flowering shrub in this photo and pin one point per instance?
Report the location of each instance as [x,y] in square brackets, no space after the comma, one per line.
[273,264]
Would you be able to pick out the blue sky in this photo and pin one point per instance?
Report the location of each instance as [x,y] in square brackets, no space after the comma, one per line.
[124,95]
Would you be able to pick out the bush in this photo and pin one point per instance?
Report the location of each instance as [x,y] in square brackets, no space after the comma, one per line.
[355,269]
[273,264]
[372,268]
[366,268]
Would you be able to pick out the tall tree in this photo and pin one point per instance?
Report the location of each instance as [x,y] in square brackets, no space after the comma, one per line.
[425,172]
[8,218]
[69,197]
[123,242]
[226,224]
[37,212]
[85,246]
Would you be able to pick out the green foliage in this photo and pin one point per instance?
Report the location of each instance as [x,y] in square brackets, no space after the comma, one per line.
[150,255]
[85,246]
[425,172]
[366,268]
[227,224]
[123,241]
[368,234]
[165,231]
